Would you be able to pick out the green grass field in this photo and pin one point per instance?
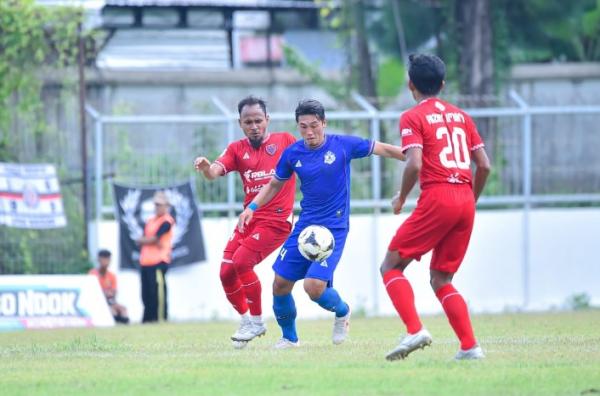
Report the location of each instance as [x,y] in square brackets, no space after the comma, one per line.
[527,354]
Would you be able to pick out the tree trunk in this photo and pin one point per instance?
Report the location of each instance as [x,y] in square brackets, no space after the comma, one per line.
[366,80]
[476,62]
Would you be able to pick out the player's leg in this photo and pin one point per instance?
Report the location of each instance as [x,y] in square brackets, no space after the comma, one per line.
[420,233]
[400,290]
[446,260]
[289,267]
[284,308]
[318,284]
[232,286]
[149,294]
[261,241]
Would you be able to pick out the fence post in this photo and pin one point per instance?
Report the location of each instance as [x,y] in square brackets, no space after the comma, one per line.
[376,196]
[230,136]
[526,152]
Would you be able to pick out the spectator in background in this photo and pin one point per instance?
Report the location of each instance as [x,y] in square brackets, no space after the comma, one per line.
[108,283]
[155,256]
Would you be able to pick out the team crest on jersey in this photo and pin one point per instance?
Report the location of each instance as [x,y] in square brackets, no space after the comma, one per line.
[271,149]
[329,158]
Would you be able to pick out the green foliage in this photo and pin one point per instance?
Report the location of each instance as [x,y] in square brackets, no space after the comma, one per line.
[579,301]
[338,90]
[31,37]
[390,78]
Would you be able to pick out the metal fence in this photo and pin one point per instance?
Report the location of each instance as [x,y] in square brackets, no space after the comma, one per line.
[541,155]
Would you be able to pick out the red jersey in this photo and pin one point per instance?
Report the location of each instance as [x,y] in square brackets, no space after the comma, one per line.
[256,167]
[447,136]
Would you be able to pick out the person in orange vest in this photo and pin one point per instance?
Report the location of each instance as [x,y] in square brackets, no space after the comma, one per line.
[108,284]
[155,256]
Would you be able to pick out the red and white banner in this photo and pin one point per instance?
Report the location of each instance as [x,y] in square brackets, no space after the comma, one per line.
[30,196]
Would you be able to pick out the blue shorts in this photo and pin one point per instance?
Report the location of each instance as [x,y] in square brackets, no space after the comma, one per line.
[291,265]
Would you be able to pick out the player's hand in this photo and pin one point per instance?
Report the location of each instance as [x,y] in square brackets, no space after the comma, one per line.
[201,164]
[245,218]
[397,203]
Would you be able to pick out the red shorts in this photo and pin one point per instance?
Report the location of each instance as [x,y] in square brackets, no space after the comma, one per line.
[442,221]
[261,237]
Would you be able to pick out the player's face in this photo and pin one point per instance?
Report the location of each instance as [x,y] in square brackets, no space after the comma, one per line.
[312,129]
[104,262]
[254,122]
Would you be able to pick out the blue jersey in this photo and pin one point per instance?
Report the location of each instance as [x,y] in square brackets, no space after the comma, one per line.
[324,174]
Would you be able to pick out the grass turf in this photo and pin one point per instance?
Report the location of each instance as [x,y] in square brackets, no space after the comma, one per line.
[527,354]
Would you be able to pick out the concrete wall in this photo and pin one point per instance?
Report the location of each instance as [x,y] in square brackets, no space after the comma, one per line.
[562,263]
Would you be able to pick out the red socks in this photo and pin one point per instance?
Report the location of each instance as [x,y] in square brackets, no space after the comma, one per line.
[253,290]
[403,298]
[458,315]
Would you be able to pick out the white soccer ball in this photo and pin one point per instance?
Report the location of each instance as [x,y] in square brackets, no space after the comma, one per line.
[316,243]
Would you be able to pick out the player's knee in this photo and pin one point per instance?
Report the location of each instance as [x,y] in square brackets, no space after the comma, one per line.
[438,280]
[227,273]
[314,289]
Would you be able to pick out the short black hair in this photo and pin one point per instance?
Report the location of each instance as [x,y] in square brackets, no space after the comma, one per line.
[310,107]
[251,101]
[427,73]
[104,253]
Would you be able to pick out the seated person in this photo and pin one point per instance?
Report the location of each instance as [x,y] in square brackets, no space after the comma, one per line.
[108,283]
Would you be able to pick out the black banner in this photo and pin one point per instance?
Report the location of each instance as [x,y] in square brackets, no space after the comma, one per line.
[134,206]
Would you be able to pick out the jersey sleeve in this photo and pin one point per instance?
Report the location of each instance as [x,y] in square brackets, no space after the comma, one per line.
[476,141]
[284,169]
[410,131]
[357,146]
[228,159]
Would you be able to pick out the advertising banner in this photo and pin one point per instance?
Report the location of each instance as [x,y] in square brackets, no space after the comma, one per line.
[52,301]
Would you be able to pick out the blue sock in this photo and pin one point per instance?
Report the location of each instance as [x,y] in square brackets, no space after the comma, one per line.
[331,301]
[284,308]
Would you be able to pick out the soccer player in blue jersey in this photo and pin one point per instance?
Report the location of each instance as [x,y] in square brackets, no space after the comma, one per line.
[322,162]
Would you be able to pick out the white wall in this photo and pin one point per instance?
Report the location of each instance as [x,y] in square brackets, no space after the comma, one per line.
[562,262]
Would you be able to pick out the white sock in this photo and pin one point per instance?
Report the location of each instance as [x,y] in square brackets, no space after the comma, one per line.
[256,318]
[245,317]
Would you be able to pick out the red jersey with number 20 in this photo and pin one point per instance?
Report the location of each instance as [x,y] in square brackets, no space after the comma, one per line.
[256,167]
[447,136]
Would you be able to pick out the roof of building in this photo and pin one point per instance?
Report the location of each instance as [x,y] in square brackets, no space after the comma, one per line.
[287,4]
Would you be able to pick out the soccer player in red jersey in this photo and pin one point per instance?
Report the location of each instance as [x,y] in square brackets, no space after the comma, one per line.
[254,158]
[440,141]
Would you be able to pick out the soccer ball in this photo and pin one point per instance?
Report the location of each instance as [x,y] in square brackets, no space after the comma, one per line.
[316,243]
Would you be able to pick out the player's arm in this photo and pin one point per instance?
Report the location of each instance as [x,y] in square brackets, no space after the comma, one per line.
[410,177]
[264,196]
[388,151]
[210,170]
[482,170]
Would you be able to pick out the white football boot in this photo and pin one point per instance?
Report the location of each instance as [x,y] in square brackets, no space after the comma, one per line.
[410,343]
[341,327]
[249,330]
[284,343]
[475,353]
